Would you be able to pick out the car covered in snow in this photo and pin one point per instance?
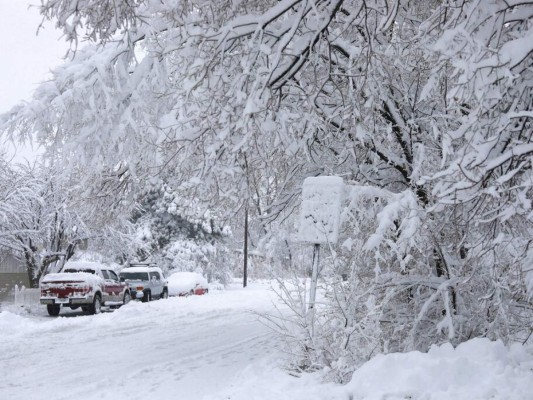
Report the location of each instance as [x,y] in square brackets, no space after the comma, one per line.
[88,285]
[146,282]
[187,284]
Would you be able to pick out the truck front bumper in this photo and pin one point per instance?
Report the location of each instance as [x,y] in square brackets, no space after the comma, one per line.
[66,301]
[136,295]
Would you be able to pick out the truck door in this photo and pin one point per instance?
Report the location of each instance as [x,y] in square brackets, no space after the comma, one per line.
[117,286]
[111,287]
[157,283]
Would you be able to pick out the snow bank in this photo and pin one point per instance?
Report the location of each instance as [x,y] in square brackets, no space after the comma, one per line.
[11,323]
[266,380]
[477,369]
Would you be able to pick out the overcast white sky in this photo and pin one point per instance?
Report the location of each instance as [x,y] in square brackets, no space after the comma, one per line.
[25,58]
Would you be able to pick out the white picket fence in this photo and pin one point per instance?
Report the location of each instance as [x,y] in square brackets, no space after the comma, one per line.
[26,297]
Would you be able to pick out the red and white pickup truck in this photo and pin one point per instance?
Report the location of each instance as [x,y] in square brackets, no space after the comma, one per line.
[87,285]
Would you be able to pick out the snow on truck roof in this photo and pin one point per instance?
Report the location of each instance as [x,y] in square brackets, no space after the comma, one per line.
[142,269]
[81,265]
[72,277]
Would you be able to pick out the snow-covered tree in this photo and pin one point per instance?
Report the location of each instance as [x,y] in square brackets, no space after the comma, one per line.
[38,223]
[425,104]
[170,234]
[45,218]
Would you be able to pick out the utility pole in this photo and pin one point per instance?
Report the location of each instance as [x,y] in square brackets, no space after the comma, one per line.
[245,251]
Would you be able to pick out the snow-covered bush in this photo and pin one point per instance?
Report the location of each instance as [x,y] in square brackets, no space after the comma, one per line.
[382,290]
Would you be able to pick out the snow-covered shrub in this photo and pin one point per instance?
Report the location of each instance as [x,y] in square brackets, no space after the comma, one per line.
[399,281]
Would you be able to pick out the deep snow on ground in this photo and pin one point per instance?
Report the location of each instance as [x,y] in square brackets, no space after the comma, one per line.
[213,348]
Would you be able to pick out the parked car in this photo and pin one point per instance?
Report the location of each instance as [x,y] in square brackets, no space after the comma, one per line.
[187,284]
[87,285]
[146,282]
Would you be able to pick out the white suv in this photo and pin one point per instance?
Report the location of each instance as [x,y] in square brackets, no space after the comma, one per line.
[146,282]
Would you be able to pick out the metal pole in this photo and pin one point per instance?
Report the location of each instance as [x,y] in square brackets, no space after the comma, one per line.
[312,291]
[245,251]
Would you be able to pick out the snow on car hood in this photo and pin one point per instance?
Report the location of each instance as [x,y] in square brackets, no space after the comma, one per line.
[72,277]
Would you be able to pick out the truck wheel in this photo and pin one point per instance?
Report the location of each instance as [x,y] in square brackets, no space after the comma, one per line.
[126,299]
[164,295]
[96,307]
[147,297]
[53,309]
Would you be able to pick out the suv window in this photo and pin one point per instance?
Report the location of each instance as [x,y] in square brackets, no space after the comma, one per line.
[134,276]
[113,275]
[105,274]
[155,275]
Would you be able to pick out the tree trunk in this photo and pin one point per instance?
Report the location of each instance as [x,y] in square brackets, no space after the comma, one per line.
[31,267]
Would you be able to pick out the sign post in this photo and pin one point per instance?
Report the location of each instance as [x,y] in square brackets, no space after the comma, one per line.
[319,224]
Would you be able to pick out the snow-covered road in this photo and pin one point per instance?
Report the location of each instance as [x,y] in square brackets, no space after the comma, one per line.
[181,348]
[214,348]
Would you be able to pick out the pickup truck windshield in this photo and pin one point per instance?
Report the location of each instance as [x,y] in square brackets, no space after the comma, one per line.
[134,276]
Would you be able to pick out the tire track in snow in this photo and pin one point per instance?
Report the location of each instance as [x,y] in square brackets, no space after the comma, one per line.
[187,349]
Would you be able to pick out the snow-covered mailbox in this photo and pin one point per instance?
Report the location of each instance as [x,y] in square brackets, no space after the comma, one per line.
[319,223]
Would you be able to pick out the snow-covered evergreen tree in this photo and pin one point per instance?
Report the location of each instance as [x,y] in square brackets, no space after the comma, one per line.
[169,235]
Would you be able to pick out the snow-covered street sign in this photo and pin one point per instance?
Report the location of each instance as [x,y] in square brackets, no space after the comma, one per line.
[319,224]
[321,208]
